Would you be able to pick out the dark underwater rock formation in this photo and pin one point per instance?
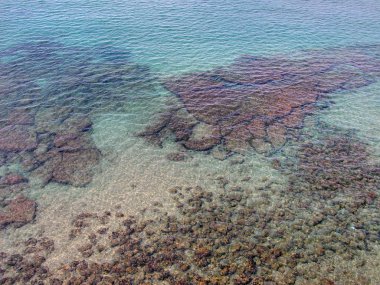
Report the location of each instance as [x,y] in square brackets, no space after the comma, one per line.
[255,101]
[12,179]
[177,156]
[18,212]
[227,238]
[233,237]
[48,93]
[17,138]
[277,235]
[76,168]
[65,153]
[336,165]
[23,266]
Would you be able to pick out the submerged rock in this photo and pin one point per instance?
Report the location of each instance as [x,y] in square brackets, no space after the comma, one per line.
[203,137]
[20,117]
[228,236]
[277,135]
[50,99]
[337,163]
[219,153]
[255,101]
[176,156]
[76,168]
[17,138]
[13,179]
[238,140]
[234,236]
[18,212]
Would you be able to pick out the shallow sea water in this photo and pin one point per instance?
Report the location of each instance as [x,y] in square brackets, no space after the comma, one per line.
[189,142]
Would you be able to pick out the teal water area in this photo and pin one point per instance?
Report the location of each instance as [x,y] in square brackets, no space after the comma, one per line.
[177,36]
[190,142]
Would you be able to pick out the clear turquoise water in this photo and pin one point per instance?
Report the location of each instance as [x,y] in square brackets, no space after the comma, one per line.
[107,61]
[175,36]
